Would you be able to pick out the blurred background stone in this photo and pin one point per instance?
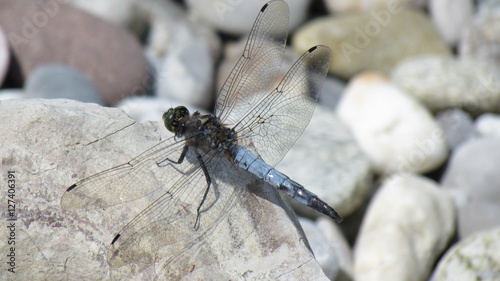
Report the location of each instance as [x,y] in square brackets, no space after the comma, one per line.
[375,40]
[237,17]
[50,32]
[451,17]
[473,179]
[395,131]
[443,58]
[57,81]
[339,6]
[488,125]
[475,258]
[183,53]
[457,126]
[408,224]
[443,82]
[328,162]
[481,38]
[4,55]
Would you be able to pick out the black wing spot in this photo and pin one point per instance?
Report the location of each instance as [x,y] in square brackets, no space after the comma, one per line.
[71,188]
[264,7]
[312,49]
[116,238]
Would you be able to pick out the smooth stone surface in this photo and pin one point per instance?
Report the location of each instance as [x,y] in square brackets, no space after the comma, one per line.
[71,140]
[488,125]
[57,81]
[473,179]
[183,54]
[481,38]
[4,56]
[457,126]
[407,225]
[475,258]
[327,161]
[451,17]
[395,131]
[237,17]
[375,40]
[48,31]
[442,82]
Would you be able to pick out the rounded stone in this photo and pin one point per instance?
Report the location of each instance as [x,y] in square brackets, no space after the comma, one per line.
[488,125]
[4,56]
[407,225]
[393,129]
[57,81]
[443,82]
[451,17]
[51,32]
[472,178]
[475,258]
[372,40]
[237,17]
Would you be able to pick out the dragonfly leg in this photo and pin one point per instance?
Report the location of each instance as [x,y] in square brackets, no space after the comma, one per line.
[179,161]
[209,182]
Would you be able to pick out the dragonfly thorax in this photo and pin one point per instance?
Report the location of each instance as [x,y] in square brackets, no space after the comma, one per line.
[213,133]
[202,131]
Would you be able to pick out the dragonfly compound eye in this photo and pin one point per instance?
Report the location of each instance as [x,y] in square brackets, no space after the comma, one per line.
[174,117]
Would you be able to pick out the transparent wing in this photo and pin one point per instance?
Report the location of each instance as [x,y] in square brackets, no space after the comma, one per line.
[150,170]
[170,220]
[258,67]
[275,122]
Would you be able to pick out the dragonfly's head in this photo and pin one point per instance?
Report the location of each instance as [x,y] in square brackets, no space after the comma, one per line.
[174,118]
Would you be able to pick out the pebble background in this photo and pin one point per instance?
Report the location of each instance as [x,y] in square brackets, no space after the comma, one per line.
[405,142]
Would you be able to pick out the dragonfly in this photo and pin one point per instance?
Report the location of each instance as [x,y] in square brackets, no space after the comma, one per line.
[253,126]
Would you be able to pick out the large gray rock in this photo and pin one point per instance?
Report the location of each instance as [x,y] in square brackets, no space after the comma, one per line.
[51,144]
